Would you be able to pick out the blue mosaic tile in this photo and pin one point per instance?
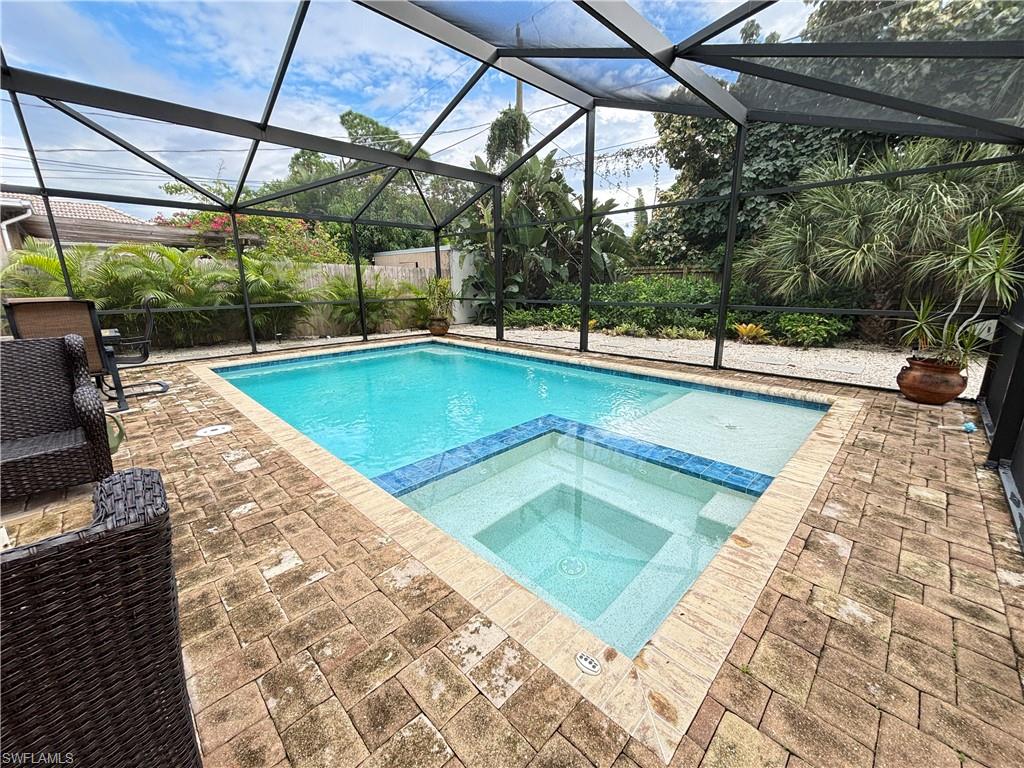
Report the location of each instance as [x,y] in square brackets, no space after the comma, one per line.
[412,476]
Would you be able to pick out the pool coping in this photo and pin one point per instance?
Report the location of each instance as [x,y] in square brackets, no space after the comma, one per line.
[655,696]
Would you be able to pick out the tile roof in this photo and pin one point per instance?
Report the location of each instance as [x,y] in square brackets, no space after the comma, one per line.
[74,209]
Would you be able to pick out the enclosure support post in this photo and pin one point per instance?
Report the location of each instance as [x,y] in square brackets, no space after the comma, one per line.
[359,284]
[242,282]
[42,188]
[730,243]
[588,231]
[437,254]
[499,264]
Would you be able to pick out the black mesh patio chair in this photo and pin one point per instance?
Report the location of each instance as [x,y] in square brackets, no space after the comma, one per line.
[130,351]
[91,663]
[53,431]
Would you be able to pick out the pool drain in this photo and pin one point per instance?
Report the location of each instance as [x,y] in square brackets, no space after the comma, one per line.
[216,429]
[588,664]
[573,567]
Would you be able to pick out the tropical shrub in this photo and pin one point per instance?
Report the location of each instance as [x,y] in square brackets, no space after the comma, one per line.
[389,305]
[438,294]
[128,274]
[751,333]
[812,330]
[888,238]
[981,269]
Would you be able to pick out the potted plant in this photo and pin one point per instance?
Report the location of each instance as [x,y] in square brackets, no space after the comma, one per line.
[946,338]
[439,297]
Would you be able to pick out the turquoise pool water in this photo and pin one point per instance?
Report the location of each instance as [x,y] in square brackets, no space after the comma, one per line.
[604,494]
[380,410]
[611,540]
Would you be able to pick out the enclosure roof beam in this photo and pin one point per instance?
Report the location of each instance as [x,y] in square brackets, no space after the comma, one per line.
[430,213]
[864,95]
[426,23]
[464,207]
[908,49]
[455,101]
[721,24]
[47,86]
[623,20]
[947,131]
[571,53]
[275,89]
[128,146]
[389,176]
[558,130]
[311,185]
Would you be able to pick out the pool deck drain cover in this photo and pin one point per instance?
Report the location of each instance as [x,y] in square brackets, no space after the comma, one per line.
[216,429]
[588,664]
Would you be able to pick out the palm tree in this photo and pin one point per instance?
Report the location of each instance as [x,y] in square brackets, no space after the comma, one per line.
[885,238]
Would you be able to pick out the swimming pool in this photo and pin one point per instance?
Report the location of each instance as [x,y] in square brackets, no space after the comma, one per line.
[604,493]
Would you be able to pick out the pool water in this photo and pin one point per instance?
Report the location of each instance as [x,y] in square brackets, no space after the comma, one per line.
[604,493]
[382,409]
[609,539]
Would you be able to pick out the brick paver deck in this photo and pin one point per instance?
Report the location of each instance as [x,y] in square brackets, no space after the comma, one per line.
[891,633]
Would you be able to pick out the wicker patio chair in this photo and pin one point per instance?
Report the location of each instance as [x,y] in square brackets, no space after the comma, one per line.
[53,430]
[91,662]
[41,318]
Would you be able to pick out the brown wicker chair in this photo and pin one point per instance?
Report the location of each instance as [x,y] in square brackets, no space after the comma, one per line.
[53,430]
[91,660]
[42,318]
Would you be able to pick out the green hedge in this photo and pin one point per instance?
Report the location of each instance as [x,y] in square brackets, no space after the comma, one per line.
[790,328]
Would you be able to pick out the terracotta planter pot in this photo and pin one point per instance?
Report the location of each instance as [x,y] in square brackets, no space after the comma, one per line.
[438,326]
[929,382]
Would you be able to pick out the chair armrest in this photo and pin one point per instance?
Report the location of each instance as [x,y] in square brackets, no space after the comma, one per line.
[129,497]
[74,346]
[93,419]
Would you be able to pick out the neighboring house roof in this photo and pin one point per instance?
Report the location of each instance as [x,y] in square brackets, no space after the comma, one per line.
[80,222]
[73,209]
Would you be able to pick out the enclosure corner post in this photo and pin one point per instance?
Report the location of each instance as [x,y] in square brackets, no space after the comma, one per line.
[730,243]
[499,265]
[244,283]
[23,126]
[588,232]
[437,253]
[359,284]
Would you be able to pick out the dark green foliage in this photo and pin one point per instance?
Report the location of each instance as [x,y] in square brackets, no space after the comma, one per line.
[812,330]
[507,138]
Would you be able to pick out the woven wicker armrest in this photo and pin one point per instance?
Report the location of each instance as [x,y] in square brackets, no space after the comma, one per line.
[129,497]
[93,418]
[92,662]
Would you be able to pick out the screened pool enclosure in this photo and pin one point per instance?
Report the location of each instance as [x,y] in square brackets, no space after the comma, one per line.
[227,110]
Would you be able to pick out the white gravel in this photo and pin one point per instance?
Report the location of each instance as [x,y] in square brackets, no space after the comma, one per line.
[850,362]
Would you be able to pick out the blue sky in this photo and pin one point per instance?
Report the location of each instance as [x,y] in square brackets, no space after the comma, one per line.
[222,56]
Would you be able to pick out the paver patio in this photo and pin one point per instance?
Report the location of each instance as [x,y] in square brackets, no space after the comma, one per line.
[890,634]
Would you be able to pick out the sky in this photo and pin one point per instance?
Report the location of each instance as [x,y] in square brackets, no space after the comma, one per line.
[222,56]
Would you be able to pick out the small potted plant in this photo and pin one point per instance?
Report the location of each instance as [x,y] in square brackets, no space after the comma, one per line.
[439,297]
[946,338]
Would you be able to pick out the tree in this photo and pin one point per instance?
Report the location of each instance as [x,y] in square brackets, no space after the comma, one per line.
[891,239]
[507,137]
[538,257]
[700,150]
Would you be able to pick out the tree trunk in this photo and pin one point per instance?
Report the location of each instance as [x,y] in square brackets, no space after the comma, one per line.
[873,328]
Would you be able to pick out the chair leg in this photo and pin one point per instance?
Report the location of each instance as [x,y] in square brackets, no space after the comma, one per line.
[115,377]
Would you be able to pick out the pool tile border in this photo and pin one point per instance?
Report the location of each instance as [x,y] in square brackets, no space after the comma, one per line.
[656,695]
[401,481]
